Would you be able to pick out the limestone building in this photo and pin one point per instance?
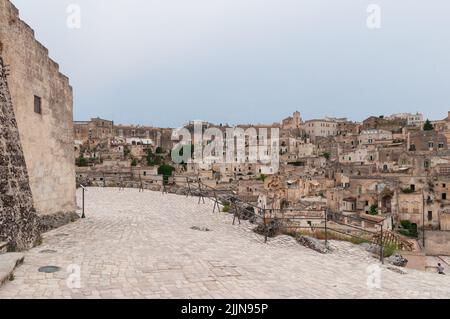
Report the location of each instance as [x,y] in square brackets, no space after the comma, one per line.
[320,128]
[42,100]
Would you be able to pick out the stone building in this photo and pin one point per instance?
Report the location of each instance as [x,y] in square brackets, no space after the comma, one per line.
[96,128]
[320,128]
[42,100]
[292,122]
[427,141]
[411,118]
[374,136]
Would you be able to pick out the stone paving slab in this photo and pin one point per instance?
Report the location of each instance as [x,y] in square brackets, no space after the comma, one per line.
[141,245]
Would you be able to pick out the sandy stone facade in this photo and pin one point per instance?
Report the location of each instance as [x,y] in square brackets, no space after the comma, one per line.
[19,224]
[42,101]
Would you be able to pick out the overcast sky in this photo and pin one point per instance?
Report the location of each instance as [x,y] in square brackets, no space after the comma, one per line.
[164,62]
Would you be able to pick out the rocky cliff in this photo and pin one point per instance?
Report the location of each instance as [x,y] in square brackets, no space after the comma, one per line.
[19,223]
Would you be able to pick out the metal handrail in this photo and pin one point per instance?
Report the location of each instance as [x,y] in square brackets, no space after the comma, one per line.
[259,214]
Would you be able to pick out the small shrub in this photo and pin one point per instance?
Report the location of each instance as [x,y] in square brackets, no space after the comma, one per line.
[326,155]
[406,224]
[390,249]
[373,210]
[81,161]
[39,241]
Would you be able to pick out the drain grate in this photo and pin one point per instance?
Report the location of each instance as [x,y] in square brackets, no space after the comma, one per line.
[48,251]
[49,269]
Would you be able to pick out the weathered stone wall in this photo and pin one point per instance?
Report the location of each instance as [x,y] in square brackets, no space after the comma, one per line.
[19,223]
[47,138]
[437,243]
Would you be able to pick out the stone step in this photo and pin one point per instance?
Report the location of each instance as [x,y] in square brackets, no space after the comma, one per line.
[3,247]
[8,263]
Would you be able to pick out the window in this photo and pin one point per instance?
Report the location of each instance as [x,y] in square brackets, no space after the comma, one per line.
[441,145]
[413,187]
[444,196]
[430,216]
[37,105]
[444,185]
[430,145]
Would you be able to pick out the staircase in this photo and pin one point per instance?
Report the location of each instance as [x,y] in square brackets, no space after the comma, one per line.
[391,238]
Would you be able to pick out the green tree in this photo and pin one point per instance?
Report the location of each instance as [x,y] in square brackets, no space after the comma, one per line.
[152,159]
[166,171]
[262,178]
[81,161]
[428,126]
[134,162]
[126,151]
[373,210]
[327,155]
[159,150]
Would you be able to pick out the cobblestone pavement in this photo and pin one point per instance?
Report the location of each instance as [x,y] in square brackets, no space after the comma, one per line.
[141,245]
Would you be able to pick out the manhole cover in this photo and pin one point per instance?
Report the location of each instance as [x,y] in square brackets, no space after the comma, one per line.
[49,269]
[48,251]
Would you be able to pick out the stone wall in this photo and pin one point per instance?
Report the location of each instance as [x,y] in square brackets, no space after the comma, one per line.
[46,137]
[437,243]
[19,223]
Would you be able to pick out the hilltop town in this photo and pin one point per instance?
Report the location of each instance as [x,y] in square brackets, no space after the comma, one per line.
[393,170]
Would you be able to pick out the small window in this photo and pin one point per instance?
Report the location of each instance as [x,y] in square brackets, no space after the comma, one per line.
[430,216]
[37,105]
[444,196]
